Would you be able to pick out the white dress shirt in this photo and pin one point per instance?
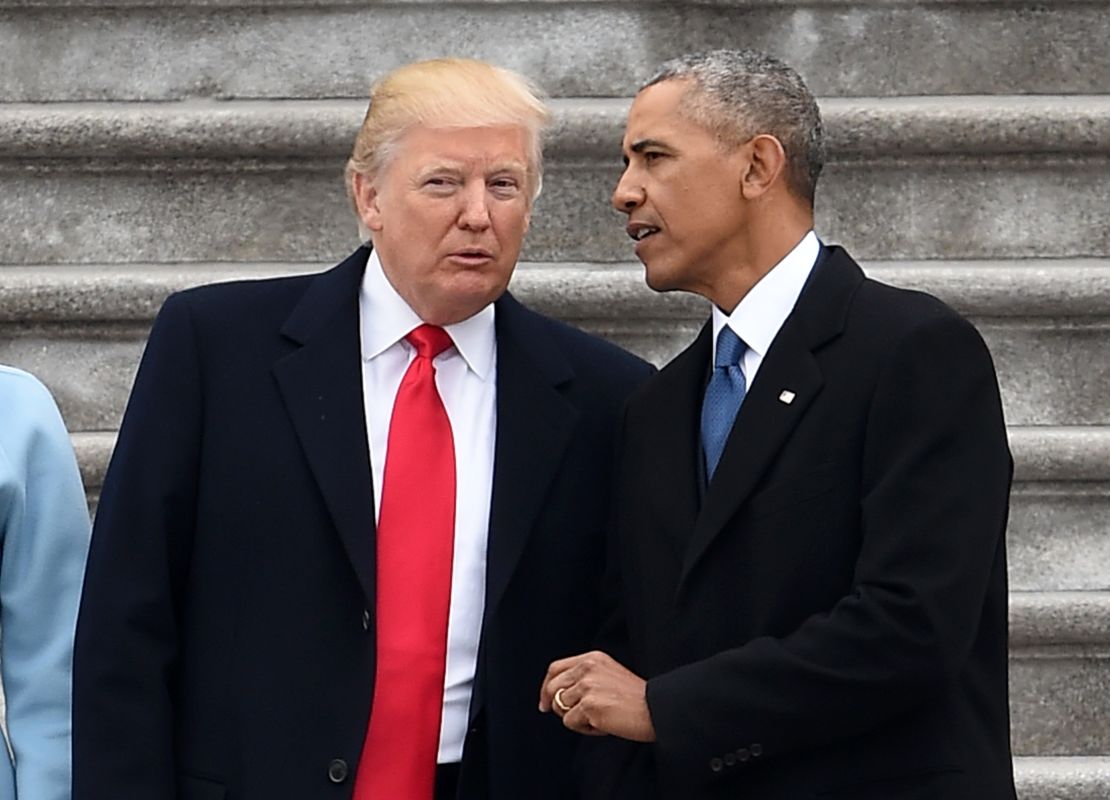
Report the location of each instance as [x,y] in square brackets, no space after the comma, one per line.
[466,379]
[758,317]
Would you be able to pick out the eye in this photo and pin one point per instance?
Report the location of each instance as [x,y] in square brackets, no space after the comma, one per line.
[652,155]
[439,184]
[505,186]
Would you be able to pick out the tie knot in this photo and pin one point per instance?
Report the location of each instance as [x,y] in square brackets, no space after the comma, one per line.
[729,348]
[429,341]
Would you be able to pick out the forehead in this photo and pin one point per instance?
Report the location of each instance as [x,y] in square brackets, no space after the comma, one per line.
[495,144]
[657,114]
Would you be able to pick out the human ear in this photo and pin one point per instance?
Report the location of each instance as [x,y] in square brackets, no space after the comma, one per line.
[367,202]
[764,164]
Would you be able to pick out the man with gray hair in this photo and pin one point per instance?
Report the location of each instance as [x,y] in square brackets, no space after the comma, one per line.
[352,516]
[811,499]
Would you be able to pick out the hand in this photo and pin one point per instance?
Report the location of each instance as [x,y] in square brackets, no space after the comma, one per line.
[603,697]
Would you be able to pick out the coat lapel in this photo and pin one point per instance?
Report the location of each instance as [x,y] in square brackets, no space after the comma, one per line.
[765,421]
[677,395]
[321,383]
[534,425]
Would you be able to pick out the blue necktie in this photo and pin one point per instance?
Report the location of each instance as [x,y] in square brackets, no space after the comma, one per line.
[723,397]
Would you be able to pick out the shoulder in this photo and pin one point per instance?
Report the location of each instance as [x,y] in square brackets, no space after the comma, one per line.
[841,297]
[864,317]
[900,308]
[897,318]
[243,299]
[901,345]
[220,323]
[588,355]
[24,399]
[29,417]
[591,350]
[15,383]
[263,306]
[227,320]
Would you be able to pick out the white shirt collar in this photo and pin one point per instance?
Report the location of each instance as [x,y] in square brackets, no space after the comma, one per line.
[387,319]
[758,317]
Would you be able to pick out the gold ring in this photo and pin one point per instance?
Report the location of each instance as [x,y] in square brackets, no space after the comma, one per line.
[559,704]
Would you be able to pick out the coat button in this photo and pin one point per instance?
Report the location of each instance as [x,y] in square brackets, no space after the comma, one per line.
[757,750]
[716,764]
[365,619]
[337,770]
[730,760]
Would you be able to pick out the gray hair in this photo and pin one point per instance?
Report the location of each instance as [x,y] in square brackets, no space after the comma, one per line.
[739,94]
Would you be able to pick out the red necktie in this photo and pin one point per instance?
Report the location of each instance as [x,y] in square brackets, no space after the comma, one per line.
[416,531]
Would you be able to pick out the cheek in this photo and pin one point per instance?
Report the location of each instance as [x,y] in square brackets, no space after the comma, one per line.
[511,224]
[430,228]
[711,214]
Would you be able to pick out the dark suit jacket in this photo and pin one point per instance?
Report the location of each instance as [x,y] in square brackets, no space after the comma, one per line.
[830,618]
[225,646]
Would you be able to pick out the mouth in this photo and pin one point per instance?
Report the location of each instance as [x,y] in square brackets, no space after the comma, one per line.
[639,231]
[472,255]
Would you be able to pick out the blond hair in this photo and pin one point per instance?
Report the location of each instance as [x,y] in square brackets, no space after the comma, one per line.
[446,93]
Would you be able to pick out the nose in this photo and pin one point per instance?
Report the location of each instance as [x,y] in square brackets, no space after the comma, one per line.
[628,195]
[474,214]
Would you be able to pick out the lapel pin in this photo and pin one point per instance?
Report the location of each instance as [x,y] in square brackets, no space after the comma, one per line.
[787,396]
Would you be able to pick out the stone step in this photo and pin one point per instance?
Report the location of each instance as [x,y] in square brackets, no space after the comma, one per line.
[1059,532]
[81,328]
[1060,673]
[130,50]
[1062,778]
[909,178]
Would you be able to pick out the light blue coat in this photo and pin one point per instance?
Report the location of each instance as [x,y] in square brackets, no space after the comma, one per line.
[44,538]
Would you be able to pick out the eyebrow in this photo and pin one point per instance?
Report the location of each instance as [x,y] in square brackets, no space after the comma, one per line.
[643,144]
[508,166]
[440,167]
[459,167]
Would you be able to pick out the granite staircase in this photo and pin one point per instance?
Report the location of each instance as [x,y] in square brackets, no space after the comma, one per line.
[148,146]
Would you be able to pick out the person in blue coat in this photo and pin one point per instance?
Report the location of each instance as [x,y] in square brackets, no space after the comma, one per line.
[44,538]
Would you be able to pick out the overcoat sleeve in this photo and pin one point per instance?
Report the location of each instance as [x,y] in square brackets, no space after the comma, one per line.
[128,632]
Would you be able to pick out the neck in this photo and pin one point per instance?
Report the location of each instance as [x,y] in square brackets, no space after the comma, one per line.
[771,238]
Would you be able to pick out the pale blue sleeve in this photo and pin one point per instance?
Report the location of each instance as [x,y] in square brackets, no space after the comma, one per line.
[45,541]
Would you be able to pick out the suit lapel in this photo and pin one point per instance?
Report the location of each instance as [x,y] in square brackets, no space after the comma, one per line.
[534,425]
[761,427]
[765,420]
[321,383]
[677,395]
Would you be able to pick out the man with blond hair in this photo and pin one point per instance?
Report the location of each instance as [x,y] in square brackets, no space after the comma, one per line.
[352,516]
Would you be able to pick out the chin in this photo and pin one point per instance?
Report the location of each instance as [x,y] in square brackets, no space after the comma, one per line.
[659,279]
[464,302]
